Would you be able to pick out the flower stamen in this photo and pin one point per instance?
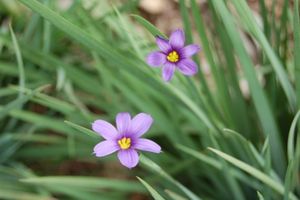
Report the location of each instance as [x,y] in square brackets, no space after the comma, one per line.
[124,143]
[173,56]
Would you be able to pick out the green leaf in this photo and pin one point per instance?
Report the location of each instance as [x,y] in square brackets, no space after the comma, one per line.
[254,172]
[20,62]
[174,195]
[291,137]
[248,19]
[157,169]
[214,163]
[17,103]
[260,196]
[86,182]
[297,49]
[262,106]
[82,129]
[152,191]
[13,194]
[150,27]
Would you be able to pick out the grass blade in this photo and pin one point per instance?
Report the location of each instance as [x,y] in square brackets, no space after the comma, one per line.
[82,129]
[297,49]
[291,138]
[150,27]
[248,19]
[261,103]
[86,182]
[152,191]
[254,172]
[157,169]
[20,62]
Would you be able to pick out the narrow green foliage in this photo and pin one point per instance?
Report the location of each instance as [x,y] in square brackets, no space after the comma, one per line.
[174,195]
[82,129]
[262,106]
[86,182]
[150,27]
[254,172]
[152,191]
[292,138]
[157,169]
[248,19]
[297,49]
[20,62]
[260,196]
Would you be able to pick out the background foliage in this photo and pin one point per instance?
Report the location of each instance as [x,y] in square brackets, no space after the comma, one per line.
[62,69]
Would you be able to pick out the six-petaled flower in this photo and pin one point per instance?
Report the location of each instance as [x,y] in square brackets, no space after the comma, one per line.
[173,54]
[126,138]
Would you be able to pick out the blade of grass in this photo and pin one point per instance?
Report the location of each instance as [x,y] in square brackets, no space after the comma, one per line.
[236,104]
[126,30]
[174,195]
[260,196]
[102,48]
[283,32]
[19,61]
[297,49]
[262,106]
[254,172]
[291,138]
[212,162]
[264,12]
[152,191]
[157,169]
[203,86]
[205,46]
[87,182]
[293,155]
[82,129]
[217,72]
[47,31]
[17,103]
[232,182]
[49,101]
[13,194]
[289,180]
[247,17]
[151,28]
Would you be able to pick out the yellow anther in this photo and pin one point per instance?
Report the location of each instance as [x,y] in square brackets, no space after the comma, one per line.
[124,143]
[173,56]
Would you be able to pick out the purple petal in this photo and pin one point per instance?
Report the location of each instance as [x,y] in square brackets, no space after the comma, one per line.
[163,44]
[105,129]
[168,71]
[177,39]
[156,59]
[187,67]
[147,145]
[123,122]
[189,50]
[140,124]
[129,158]
[105,148]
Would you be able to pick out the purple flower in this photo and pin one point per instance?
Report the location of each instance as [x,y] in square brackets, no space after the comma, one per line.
[126,138]
[173,54]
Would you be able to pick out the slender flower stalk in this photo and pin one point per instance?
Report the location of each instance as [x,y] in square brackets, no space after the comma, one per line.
[173,54]
[125,138]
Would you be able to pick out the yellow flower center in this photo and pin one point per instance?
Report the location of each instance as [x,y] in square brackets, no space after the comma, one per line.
[124,143]
[173,56]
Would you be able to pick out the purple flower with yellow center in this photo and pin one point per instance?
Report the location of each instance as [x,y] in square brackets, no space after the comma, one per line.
[173,54]
[125,138]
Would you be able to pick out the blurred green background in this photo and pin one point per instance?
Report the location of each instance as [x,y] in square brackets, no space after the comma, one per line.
[230,132]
